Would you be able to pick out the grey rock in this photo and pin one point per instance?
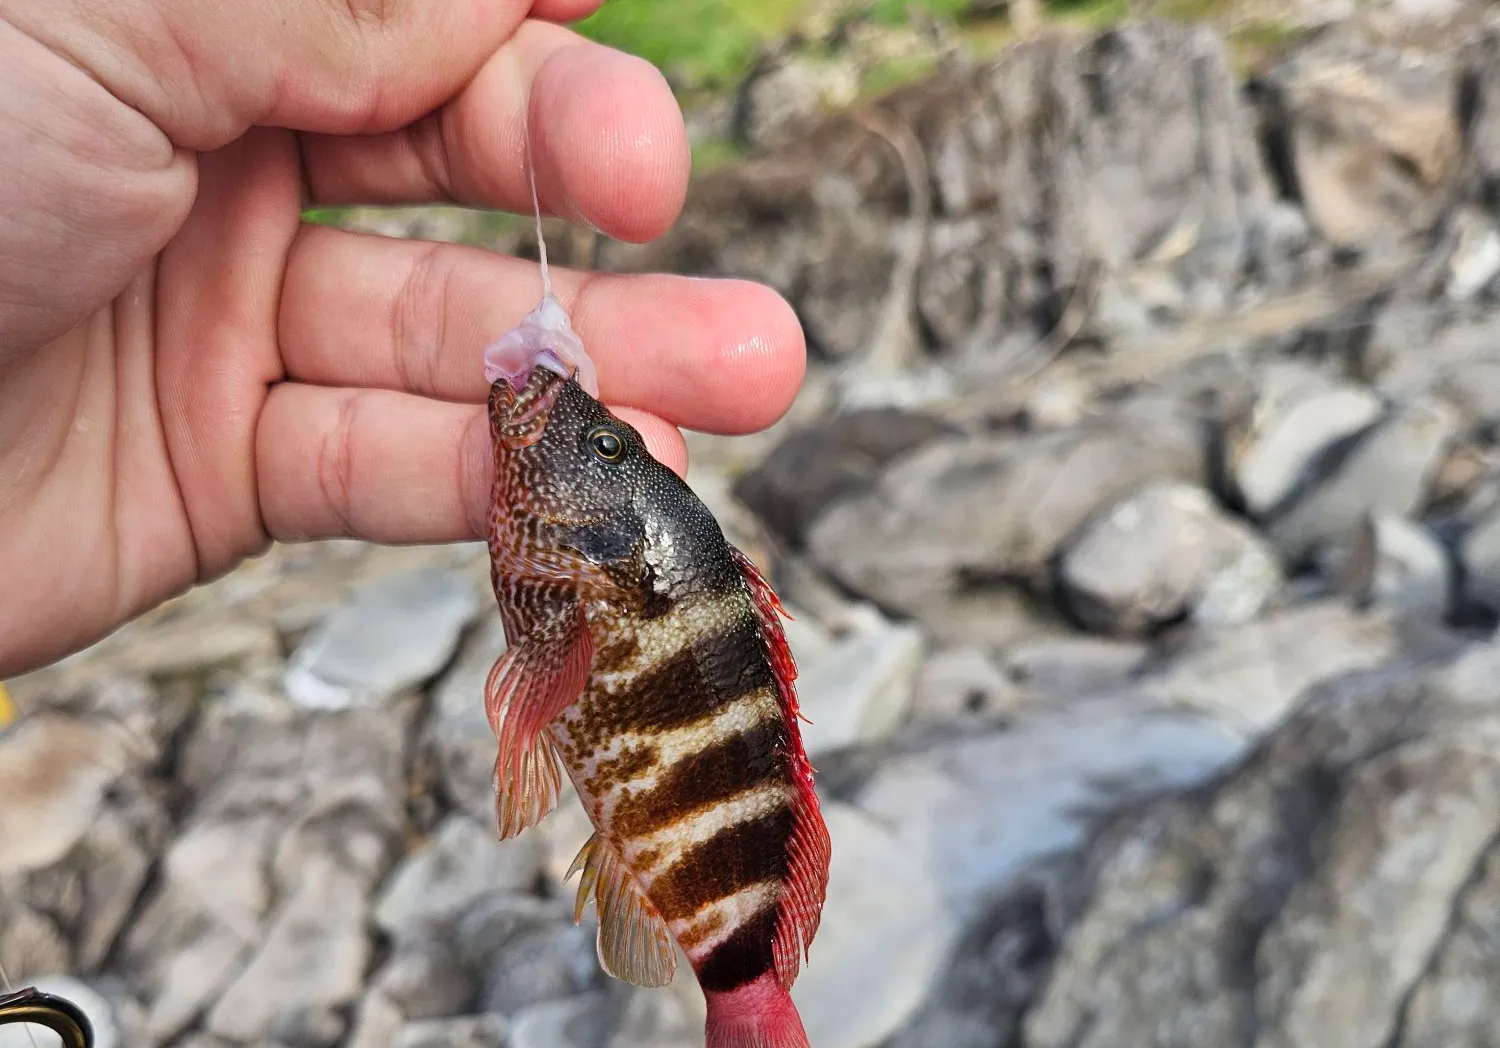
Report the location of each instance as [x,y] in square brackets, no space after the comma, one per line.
[80,827]
[1475,260]
[310,966]
[1314,895]
[893,929]
[1393,562]
[1009,798]
[1370,132]
[1251,676]
[964,682]
[581,1022]
[471,1031]
[95,1005]
[459,735]
[858,688]
[1386,471]
[425,978]
[393,635]
[1298,418]
[1480,554]
[1162,554]
[950,527]
[817,465]
[1067,667]
[527,952]
[784,90]
[463,861]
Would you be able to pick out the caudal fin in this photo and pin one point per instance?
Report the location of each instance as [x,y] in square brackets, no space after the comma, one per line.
[757,1015]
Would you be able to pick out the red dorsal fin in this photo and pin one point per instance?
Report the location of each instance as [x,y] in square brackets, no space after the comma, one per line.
[530,684]
[801,905]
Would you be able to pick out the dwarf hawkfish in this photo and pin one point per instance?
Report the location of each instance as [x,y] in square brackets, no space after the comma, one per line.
[646,657]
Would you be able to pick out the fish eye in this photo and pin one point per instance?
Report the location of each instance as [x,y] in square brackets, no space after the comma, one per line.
[606,444]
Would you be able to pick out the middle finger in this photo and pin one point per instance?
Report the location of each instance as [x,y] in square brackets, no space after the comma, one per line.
[361,310]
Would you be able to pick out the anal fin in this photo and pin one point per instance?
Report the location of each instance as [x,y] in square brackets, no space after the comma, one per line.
[634,943]
[529,685]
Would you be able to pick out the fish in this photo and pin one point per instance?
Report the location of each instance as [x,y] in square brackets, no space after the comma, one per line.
[646,658]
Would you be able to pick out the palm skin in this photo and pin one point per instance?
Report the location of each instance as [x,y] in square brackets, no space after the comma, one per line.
[187,372]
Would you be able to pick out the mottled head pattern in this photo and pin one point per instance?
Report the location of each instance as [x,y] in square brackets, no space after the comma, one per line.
[579,497]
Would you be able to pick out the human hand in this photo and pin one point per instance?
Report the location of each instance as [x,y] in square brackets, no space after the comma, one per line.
[187,372]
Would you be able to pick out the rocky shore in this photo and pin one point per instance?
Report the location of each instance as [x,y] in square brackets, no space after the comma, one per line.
[1141,521]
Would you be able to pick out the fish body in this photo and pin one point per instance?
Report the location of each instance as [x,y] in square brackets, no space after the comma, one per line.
[647,660]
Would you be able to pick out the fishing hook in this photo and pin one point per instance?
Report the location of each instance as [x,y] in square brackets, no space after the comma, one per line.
[62,1017]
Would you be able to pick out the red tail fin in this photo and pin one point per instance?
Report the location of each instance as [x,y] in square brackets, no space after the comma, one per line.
[758,1015]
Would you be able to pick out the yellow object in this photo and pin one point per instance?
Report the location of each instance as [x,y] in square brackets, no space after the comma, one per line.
[7,707]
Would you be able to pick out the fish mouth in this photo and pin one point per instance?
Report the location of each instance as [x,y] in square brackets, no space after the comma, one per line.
[519,417]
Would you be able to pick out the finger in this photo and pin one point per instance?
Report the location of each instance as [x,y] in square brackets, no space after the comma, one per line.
[565,10]
[606,135]
[386,467]
[717,355]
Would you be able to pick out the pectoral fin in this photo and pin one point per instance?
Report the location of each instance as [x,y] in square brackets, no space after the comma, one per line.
[634,943]
[527,688]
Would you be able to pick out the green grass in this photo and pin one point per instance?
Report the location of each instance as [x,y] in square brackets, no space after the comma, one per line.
[700,44]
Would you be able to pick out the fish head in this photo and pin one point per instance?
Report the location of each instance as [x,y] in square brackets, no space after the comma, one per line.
[569,480]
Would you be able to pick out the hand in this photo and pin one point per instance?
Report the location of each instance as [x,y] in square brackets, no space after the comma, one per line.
[187,372]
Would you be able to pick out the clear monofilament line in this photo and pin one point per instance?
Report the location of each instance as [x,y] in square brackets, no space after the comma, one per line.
[536,210]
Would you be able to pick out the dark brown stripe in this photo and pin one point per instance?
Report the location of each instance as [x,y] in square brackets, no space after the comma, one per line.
[744,956]
[716,773]
[728,862]
[697,681]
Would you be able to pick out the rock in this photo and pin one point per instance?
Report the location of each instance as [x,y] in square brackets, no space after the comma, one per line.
[784,91]
[575,1023]
[964,683]
[80,829]
[950,527]
[1386,471]
[393,635]
[1479,551]
[90,1001]
[527,951]
[1299,418]
[462,862]
[1068,667]
[1369,133]
[890,928]
[459,735]
[309,968]
[1316,894]
[1396,563]
[1163,554]
[817,465]
[53,773]
[425,978]
[1008,798]
[859,687]
[472,1031]
[1475,260]
[1250,676]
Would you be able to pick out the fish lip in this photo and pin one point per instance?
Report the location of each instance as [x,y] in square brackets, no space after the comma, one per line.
[519,418]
